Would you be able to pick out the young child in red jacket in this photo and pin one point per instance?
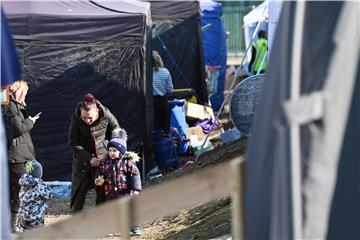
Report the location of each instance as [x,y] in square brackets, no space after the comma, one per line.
[118,173]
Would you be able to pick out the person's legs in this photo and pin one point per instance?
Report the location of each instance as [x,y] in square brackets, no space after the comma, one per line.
[100,193]
[165,123]
[80,196]
[157,111]
[16,171]
[162,113]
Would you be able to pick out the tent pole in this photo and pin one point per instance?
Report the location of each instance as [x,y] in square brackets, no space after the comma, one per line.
[295,160]
[262,62]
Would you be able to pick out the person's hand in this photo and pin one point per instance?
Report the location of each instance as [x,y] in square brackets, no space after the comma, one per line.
[99,181]
[134,192]
[34,118]
[95,162]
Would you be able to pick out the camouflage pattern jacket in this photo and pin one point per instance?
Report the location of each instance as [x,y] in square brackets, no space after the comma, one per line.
[34,194]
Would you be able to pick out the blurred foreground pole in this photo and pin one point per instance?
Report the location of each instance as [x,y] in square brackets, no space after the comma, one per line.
[10,72]
[295,164]
[325,112]
[237,201]
[125,217]
[4,189]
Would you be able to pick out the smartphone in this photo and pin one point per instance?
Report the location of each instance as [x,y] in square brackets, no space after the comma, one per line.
[38,115]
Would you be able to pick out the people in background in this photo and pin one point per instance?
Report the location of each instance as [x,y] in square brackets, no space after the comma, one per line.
[34,194]
[259,49]
[118,173]
[20,145]
[162,85]
[90,129]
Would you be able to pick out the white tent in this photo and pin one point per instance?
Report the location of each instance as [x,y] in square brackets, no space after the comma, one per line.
[258,14]
[253,17]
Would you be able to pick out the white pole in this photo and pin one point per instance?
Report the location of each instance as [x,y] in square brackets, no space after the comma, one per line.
[295,162]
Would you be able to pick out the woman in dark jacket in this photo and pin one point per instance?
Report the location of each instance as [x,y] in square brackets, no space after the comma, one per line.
[21,148]
[90,129]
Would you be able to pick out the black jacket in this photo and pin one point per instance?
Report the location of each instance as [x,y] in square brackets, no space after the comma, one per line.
[81,141]
[21,147]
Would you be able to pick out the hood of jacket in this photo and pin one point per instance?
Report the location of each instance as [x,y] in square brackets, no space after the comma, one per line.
[131,156]
[28,180]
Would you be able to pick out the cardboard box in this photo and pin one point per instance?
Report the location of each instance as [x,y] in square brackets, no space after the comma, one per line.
[197,136]
[197,111]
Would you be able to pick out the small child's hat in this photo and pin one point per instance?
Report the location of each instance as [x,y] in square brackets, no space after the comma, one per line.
[34,168]
[118,140]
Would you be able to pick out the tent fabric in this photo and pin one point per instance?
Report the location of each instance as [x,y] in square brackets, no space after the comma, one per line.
[111,65]
[214,45]
[268,196]
[177,24]
[344,215]
[338,61]
[128,7]
[269,146]
[256,14]
[125,7]
[10,69]
[176,11]
[81,20]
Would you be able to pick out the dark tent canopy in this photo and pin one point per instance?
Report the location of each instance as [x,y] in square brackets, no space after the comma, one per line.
[69,48]
[176,26]
[76,20]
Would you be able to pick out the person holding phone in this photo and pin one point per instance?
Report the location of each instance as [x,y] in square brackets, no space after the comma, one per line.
[20,146]
[38,115]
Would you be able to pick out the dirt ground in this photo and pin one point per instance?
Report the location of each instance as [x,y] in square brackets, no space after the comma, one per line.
[210,220]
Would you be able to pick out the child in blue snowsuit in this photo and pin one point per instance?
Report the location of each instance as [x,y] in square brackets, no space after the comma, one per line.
[34,194]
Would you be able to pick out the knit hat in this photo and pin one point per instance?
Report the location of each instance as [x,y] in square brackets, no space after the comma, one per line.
[34,168]
[118,140]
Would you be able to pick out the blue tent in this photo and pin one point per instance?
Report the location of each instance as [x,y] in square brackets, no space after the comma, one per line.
[215,53]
